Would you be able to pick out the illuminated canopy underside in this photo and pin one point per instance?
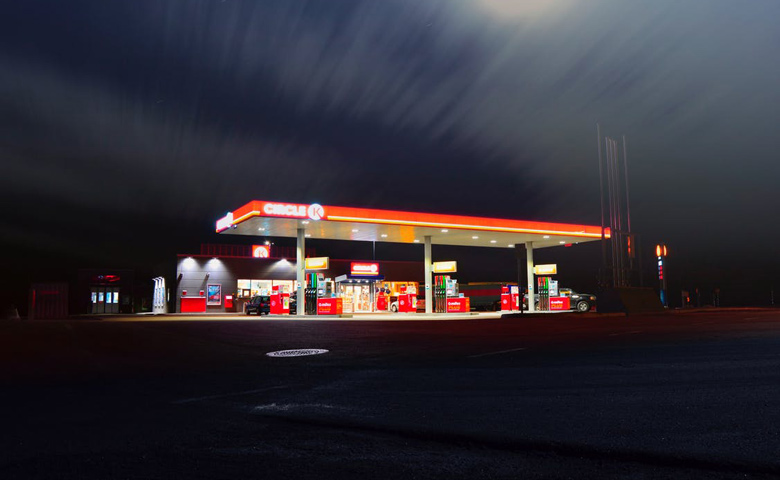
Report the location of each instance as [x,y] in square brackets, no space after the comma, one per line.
[277,219]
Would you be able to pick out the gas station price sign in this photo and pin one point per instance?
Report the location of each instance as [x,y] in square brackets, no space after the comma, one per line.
[316,263]
[445,267]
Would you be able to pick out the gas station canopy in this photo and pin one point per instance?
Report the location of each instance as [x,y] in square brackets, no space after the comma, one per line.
[278,219]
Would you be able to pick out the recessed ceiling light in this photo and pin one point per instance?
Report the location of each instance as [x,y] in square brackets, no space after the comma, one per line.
[511,246]
[384,235]
[261,229]
[562,242]
[416,241]
[546,236]
[444,230]
[492,241]
[305,222]
[475,237]
[354,230]
[307,235]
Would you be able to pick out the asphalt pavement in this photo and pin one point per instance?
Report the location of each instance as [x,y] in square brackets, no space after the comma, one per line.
[687,395]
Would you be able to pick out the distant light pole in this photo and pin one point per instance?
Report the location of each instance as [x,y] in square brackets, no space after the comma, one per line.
[660,253]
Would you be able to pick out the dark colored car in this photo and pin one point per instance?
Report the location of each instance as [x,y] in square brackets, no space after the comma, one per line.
[581,302]
[259,304]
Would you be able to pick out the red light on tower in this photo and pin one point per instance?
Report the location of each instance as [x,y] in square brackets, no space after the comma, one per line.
[664,250]
[657,250]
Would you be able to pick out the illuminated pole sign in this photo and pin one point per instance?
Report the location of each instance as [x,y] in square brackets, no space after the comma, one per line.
[660,253]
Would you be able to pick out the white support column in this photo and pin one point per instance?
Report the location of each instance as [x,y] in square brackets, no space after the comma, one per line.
[428,286]
[529,259]
[300,271]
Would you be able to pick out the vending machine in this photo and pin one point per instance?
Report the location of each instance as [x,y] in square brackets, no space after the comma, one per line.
[280,301]
[510,298]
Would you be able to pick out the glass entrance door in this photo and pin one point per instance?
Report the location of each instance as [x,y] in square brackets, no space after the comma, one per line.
[358,297]
[104,299]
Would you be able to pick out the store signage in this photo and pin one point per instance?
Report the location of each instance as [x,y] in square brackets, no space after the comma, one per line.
[317,263]
[458,305]
[445,267]
[549,269]
[364,268]
[330,306]
[560,303]
[225,222]
[261,251]
[315,211]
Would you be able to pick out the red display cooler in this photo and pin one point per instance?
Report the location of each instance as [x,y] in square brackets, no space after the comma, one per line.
[506,299]
[330,306]
[407,303]
[514,297]
[381,302]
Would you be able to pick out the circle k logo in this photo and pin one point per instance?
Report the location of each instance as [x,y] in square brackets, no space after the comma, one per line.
[315,211]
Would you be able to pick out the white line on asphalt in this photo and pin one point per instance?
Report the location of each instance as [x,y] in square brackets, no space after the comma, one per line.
[496,353]
[225,395]
[625,333]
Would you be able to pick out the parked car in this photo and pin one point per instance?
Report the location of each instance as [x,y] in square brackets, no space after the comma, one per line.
[581,302]
[259,304]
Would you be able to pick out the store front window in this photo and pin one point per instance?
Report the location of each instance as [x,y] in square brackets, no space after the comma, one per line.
[249,287]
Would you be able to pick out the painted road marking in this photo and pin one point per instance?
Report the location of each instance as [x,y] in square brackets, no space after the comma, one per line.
[301,352]
[625,333]
[226,395]
[496,353]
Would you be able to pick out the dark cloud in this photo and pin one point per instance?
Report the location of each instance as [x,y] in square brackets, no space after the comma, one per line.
[176,111]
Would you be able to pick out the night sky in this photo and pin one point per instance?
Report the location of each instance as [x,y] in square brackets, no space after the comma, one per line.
[128,128]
